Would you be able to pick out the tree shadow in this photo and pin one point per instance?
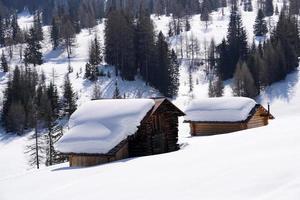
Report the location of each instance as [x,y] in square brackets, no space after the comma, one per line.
[53,55]
[6,138]
[283,90]
[89,167]
[2,75]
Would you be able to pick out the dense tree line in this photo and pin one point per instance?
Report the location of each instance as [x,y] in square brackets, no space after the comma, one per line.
[29,101]
[260,26]
[31,104]
[132,46]
[10,32]
[158,7]
[84,13]
[271,61]
[78,9]
[256,67]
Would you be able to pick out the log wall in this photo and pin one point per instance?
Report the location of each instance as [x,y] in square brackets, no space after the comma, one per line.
[151,139]
[215,128]
[90,160]
[257,120]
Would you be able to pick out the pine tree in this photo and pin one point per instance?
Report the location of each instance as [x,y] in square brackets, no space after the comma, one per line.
[219,87]
[54,99]
[216,86]
[32,52]
[95,59]
[243,82]
[2,32]
[275,65]
[86,14]
[294,7]
[255,65]
[70,68]
[159,76]
[13,113]
[96,92]
[38,26]
[117,94]
[170,32]
[248,6]
[287,34]
[187,24]
[4,64]
[173,75]
[269,9]
[88,70]
[211,88]
[144,44]
[67,33]
[212,55]
[260,26]
[54,33]
[16,31]
[44,107]
[16,118]
[237,46]
[69,97]
[223,61]
[205,12]
[120,44]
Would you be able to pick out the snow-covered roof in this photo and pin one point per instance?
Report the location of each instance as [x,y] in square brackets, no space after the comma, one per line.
[222,109]
[98,126]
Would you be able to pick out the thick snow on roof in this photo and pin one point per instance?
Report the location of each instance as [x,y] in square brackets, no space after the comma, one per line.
[98,126]
[222,109]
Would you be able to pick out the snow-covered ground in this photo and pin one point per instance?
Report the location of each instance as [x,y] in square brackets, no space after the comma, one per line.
[261,163]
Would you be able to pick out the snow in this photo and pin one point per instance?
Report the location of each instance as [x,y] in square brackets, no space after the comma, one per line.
[12,159]
[219,109]
[98,126]
[261,163]
[25,20]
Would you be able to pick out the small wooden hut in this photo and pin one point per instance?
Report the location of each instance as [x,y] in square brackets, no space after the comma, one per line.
[224,115]
[143,127]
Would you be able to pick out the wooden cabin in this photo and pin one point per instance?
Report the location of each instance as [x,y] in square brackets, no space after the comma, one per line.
[157,132]
[225,115]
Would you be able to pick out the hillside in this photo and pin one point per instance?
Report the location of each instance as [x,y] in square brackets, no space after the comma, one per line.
[261,163]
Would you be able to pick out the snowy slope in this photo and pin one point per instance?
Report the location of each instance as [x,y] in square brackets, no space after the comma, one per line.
[260,163]
[56,65]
